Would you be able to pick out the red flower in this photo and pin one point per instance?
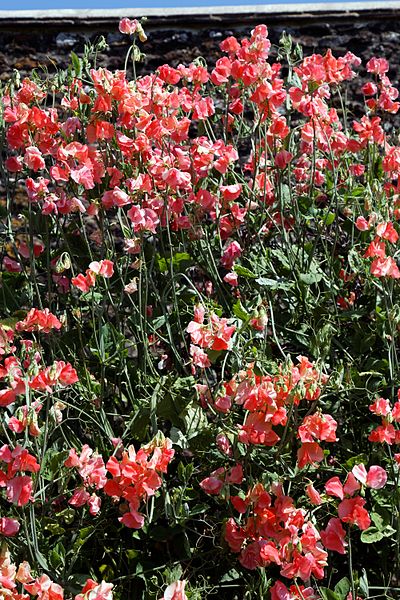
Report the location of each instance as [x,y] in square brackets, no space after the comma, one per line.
[333,537]
[39,320]
[351,510]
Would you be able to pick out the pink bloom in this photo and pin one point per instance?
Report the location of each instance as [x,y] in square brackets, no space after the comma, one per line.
[376,478]
[8,527]
[360,472]
[333,537]
[104,268]
[351,485]
[223,404]
[362,224]
[10,265]
[231,253]
[283,158]
[176,591]
[380,407]
[351,510]
[232,279]
[94,503]
[19,490]
[79,497]
[45,589]
[33,159]
[387,232]
[385,267]
[224,444]
[94,591]
[84,282]
[235,475]
[128,26]
[84,176]
[213,485]
[309,453]
[333,487]
[313,495]
[38,320]
[115,197]
[132,519]
[199,357]
[231,192]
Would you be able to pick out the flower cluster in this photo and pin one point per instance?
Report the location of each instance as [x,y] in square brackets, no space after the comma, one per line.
[42,588]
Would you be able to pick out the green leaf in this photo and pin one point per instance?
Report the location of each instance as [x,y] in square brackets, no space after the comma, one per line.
[363,584]
[330,217]
[327,594]
[194,419]
[342,588]
[240,312]
[231,575]
[274,284]
[371,535]
[76,63]
[310,278]
[244,272]
[52,463]
[356,460]
[164,263]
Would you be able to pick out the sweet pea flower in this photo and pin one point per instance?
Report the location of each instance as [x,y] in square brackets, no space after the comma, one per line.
[176,591]
[128,26]
[33,159]
[375,478]
[333,537]
[313,495]
[104,268]
[8,527]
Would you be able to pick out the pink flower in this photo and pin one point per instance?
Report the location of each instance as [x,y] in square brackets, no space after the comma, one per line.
[235,475]
[333,537]
[45,589]
[283,158]
[10,265]
[231,253]
[351,485]
[380,407]
[79,497]
[33,159]
[360,472]
[232,279]
[362,224]
[313,494]
[376,478]
[94,591]
[224,444]
[351,510]
[333,487]
[199,357]
[176,591]
[385,267]
[127,26]
[84,282]
[8,527]
[231,192]
[39,320]
[309,453]
[115,197]
[94,503]
[213,485]
[19,490]
[104,268]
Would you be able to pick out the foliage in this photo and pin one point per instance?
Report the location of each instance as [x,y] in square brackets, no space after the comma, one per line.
[200,324]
